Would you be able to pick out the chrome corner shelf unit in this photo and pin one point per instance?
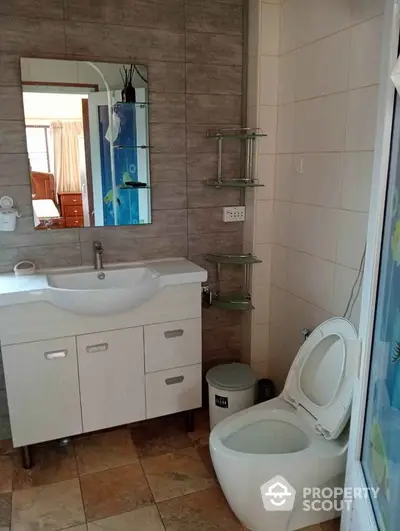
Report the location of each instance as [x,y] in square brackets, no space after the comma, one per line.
[249,137]
[232,301]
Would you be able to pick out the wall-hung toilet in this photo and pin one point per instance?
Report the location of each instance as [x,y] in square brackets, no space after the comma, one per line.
[300,435]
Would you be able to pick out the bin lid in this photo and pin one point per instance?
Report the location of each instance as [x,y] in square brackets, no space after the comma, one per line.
[231,377]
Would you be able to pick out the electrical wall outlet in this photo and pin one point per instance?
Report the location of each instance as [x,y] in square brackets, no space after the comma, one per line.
[237,213]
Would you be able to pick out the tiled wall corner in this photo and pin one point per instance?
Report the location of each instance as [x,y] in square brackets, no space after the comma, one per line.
[262,112]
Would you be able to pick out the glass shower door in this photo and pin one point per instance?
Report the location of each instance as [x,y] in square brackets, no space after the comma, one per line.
[380,457]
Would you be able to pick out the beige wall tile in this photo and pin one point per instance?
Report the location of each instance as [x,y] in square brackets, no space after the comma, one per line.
[314,230]
[268,80]
[261,302]
[323,67]
[287,77]
[261,274]
[268,116]
[366,45]
[317,179]
[357,178]
[311,279]
[352,233]
[286,128]
[344,281]
[269,43]
[364,9]
[311,131]
[361,119]
[284,177]
[288,26]
[266,176]
[264,230]
[320,18]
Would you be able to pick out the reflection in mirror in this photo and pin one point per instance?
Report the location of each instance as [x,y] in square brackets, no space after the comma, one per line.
[88,143]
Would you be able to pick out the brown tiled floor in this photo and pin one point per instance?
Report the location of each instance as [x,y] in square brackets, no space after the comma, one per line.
[150,477]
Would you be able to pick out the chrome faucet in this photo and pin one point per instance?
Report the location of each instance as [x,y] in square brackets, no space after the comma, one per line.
[98,255]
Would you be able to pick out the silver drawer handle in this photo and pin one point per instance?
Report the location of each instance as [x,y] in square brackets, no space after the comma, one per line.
[174,380]
[169,334]
[56,354]
[101,347]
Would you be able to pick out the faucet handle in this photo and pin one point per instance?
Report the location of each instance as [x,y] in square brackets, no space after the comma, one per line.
[97,246]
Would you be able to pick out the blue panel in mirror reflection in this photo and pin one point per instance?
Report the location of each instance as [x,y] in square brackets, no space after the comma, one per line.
[125,164]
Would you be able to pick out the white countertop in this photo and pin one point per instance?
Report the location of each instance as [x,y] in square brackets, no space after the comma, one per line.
[34,288]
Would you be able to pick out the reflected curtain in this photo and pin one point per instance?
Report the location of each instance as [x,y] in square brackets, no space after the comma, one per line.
[66,155]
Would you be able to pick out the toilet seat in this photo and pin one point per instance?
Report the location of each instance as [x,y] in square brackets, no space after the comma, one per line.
[321,379]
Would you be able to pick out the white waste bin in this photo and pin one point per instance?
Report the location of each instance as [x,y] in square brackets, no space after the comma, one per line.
[231,388]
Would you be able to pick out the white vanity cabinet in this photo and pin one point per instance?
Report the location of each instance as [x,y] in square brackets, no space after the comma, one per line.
[43,390]
[112,380]
[68,373]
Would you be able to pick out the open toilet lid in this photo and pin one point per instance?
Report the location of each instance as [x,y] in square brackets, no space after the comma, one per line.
[323,374]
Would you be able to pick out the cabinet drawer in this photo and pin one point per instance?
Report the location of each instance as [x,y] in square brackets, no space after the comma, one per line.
[43,390]
[111,374]
[71,199]
[73,211]
[170,345]
[173,391]
[74,222]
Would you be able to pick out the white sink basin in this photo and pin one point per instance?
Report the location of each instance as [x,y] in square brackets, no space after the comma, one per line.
[108,291]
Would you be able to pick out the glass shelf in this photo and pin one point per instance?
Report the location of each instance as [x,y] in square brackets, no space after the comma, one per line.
[238,133]
[117,146]
[146,187]
[234,183]
[233,301]
[239,259]
[121,103]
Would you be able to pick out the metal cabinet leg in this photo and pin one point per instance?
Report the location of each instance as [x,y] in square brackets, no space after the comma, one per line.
[26,456]
[190,421]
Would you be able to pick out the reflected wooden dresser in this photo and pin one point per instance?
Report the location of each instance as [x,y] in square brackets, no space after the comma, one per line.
[71,209]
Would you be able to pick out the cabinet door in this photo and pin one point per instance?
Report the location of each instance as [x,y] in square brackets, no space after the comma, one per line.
[42,390]
[111,374]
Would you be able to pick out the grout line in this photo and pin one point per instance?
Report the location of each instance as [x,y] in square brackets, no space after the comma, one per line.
[319,39]
[315,256]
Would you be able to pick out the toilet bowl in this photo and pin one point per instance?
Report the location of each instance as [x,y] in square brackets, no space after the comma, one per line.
[299,436]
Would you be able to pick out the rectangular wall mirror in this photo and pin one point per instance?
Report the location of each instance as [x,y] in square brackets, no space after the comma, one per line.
[88,143]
